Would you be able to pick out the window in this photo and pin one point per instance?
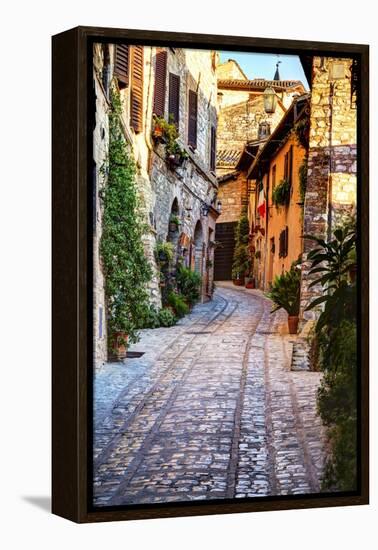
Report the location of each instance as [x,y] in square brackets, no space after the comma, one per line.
[174,98]
[284,243]
[192,119]
[160,81]
[264,130]
[213,139]
[136,97]
[274,176]
[121,65]
[288,165]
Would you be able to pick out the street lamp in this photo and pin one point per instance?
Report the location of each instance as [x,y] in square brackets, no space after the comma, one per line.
[270,100]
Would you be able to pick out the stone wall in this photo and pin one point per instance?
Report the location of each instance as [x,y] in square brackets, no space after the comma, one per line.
[192,184]
[239,123]
[159,185]
[100,148]
[233,195]
[332,159]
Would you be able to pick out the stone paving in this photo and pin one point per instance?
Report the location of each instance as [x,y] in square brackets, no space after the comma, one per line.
[211,410]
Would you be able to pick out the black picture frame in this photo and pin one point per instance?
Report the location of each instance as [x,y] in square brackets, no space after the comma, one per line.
[71,293]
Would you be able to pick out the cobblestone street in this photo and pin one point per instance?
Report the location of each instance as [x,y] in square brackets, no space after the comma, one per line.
[211,410]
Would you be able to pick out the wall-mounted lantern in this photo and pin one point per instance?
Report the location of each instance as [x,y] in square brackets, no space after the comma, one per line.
[270,100]
[219,206]
[205,208]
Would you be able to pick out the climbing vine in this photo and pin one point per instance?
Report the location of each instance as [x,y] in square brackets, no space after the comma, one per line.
[126,268]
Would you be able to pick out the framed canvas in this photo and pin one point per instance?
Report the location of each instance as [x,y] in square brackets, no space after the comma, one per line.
[210,274]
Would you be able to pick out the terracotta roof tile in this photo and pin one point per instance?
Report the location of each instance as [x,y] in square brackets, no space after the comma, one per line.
[259,84]
[228,158]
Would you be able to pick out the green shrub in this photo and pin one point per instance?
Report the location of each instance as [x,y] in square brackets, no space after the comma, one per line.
[241,263]
[337,405]
[281,193]
[336,333]
[177,302]
[149,318]
[166,317]
[285,291]
[164,252]
[188,284]
[126,268]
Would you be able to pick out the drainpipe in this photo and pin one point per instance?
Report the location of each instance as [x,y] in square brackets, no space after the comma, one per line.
[266,224]
[329,190]
[147,121]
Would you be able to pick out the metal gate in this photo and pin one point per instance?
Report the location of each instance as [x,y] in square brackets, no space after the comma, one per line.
[225,236]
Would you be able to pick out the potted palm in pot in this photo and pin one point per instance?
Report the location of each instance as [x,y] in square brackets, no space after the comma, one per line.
[285,293]
[174,223]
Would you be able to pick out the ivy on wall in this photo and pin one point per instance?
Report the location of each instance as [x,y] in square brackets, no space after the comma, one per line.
[126,268]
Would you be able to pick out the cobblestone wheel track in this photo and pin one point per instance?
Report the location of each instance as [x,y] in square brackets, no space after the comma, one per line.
[118,496]
[103,456]
[184,329]
[221,417]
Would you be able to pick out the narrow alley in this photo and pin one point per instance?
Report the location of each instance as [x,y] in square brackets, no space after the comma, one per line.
[210,410]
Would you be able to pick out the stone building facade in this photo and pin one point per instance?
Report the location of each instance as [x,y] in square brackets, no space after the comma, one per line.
[332,157]
[243,129]
[189,190]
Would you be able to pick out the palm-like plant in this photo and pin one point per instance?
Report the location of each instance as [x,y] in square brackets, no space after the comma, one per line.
[332,261]
[285,291]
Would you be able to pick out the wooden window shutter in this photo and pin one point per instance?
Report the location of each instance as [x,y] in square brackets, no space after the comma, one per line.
[274,175]
[286,174]
[192,122]
[121,65]
[160,83]
[174,98]
[291,164]
[286,241]
[280,252]
[213,149]
[136,97]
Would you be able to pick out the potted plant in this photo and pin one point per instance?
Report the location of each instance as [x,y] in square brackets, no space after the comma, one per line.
[285,293]
[250,282]
[119,345]
[175,154]
[174,223]
[241,259]
[158,129]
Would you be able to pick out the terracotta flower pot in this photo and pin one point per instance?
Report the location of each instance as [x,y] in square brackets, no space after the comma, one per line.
[292,322]
[158,134]
[238,282]
[353,273]
[250,284]
[119,346]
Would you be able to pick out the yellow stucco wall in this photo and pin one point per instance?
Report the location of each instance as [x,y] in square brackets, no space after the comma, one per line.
[270,264]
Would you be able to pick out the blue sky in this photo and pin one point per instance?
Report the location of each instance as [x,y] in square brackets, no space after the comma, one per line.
[256,65]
